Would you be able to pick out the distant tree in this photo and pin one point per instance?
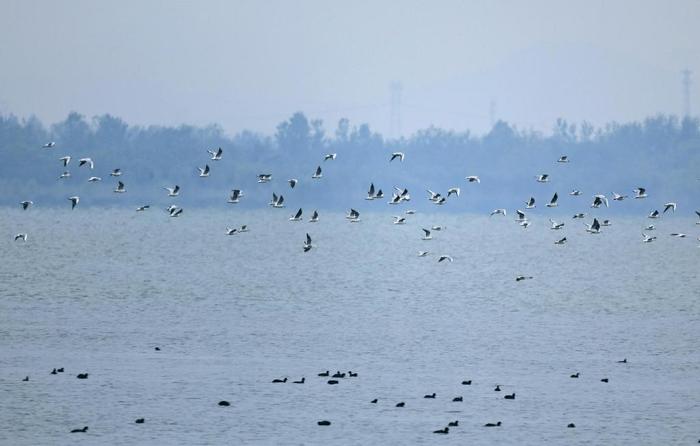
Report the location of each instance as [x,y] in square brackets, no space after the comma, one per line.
[342,132]
[294,134]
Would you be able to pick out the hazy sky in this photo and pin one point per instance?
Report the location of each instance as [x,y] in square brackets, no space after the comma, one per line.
[250,64]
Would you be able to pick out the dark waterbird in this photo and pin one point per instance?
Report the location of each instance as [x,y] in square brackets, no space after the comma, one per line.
[624,361]
[570,425]
[498,424]
[60,370]
[26,378]
[453,423]
[332,381]
[280,380]
[140,420]
[339,375]
[74,431]
[54,372]
[352,375]
[575,375]
[157,349]
[497,389]
[457,399]
[401,404]
[374,401]
[442,431]
[224,403]
[510,397]
[82,376]
[430,396]
[604,380]
[326,373]
[467,382]
[301,381]
[324,423]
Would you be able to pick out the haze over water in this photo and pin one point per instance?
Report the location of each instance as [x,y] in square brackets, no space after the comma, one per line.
[96,290]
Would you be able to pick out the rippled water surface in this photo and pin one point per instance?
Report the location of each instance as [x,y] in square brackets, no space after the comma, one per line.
[96,290]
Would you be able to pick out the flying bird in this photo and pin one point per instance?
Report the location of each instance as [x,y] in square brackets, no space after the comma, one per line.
[453,190]
[143,208]
[74,201]
[116,173]
[173,191]
[520,216]
[329,156]
[521,278]
[307,243]
[654,214]
[497,212]
[49,145]
[353,216]
[65,160]
[473,179]
[556,225]
[94,179]
[204,171]
[553,202]
[25,204]
[231,231]
[422,253]
[120,188]
[618,197]
[529,204]
[560,241]
[370,192]
[175,211]
[216,156]
[264,177]
[399,220]
[297,216]
[648,238]
[678,234]
[445,257]
[86,161]
[292,182]
[317,174]
[277,202]
[314,217]
[593,228]
[65,174]
[395,155]
[575,192]
[563,159]
[543,178]
[640,192]
[21,236]
[427,235]
[235,196]
[598,200]
[671,206]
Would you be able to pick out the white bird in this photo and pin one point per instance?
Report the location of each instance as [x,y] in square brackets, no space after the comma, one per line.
[579,215]
[317,174]
[654,214]
[120,188]
[422,253]
[640,192]
[74,201]
[370,192]
[543,178]
[618,197]
[307,243]
[427,235]
[575,192]
[453,190]
[264,177]
[329,156]
[606,223]
[297,216]
[520,216]
[116,173]
[473,179]
[403,193]
[440,201]
[244,228]
[521,278]
[49,145]
[216,156]
[65,160]
[698,214]
[353,216]
[593,228]
[444,257]
[65,174]
[678,234]
[292,182]
[314,217]
[561,241]
[86,161]
[556,225]
[649,228]
[25,204]
[94,179]
[143,208]
[204,171]
[553,202]
[497,212]
[235,196]
[412,211]
[648,238]
[399,155]
[529,204]
[231,231]
[173,191]
[563,159]
[438,228]
[175,211]
[278,202]
[598,200]
[399,220]
[379,194]
[671,206]
[434,196]
[395,199]
[22,236]
[525,224]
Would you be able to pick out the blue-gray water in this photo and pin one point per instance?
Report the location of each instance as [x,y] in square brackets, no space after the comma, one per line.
[96,290]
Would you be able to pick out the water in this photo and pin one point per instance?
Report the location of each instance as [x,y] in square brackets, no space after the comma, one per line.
[96,290]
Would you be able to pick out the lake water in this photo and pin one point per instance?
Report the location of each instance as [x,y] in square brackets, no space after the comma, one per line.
[96,290]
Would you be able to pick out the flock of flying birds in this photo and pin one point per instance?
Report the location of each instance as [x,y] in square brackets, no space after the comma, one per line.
[399,195]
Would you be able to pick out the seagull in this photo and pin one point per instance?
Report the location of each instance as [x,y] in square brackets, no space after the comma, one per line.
[94,179]
[318,174]
[671,206]
[379,194]
[427,235]
[575,192]
[473,179]
[26,204]
[395,199]
[116,173]
[440,201]
[370,192]
[74,201]
[216,156]
[244,228]
[445,257]
[403,193]
[521,278]
[353,216]
[594,228]
[49,145]
[650,228]
[329,156]
[521,216]
[648,238]
[65,174]
[292,182]
[422,253]
[654,214]
[544,178]
[525,224]
[399,155]
[307,243]
[497,212]
[120,188]
[399,220]
[555,225]
[560,241]
[640,192]
[598,200]
[563,159]
[173,192]
[606,223]
[235,196]
[529,204]
[579,215]
[88,161]
[175,211]
[264,177]
[65,160]
[204,172]
[297,216]
[438,228]
[453,190]
[279,202]
[22,236]
[231,231]
[698,214]
[434,196]
[314,217]
[618,197]
[553,202]
[678,234]
[143,208]
[412,212]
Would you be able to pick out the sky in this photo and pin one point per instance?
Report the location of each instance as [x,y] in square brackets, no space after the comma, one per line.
[251,64]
